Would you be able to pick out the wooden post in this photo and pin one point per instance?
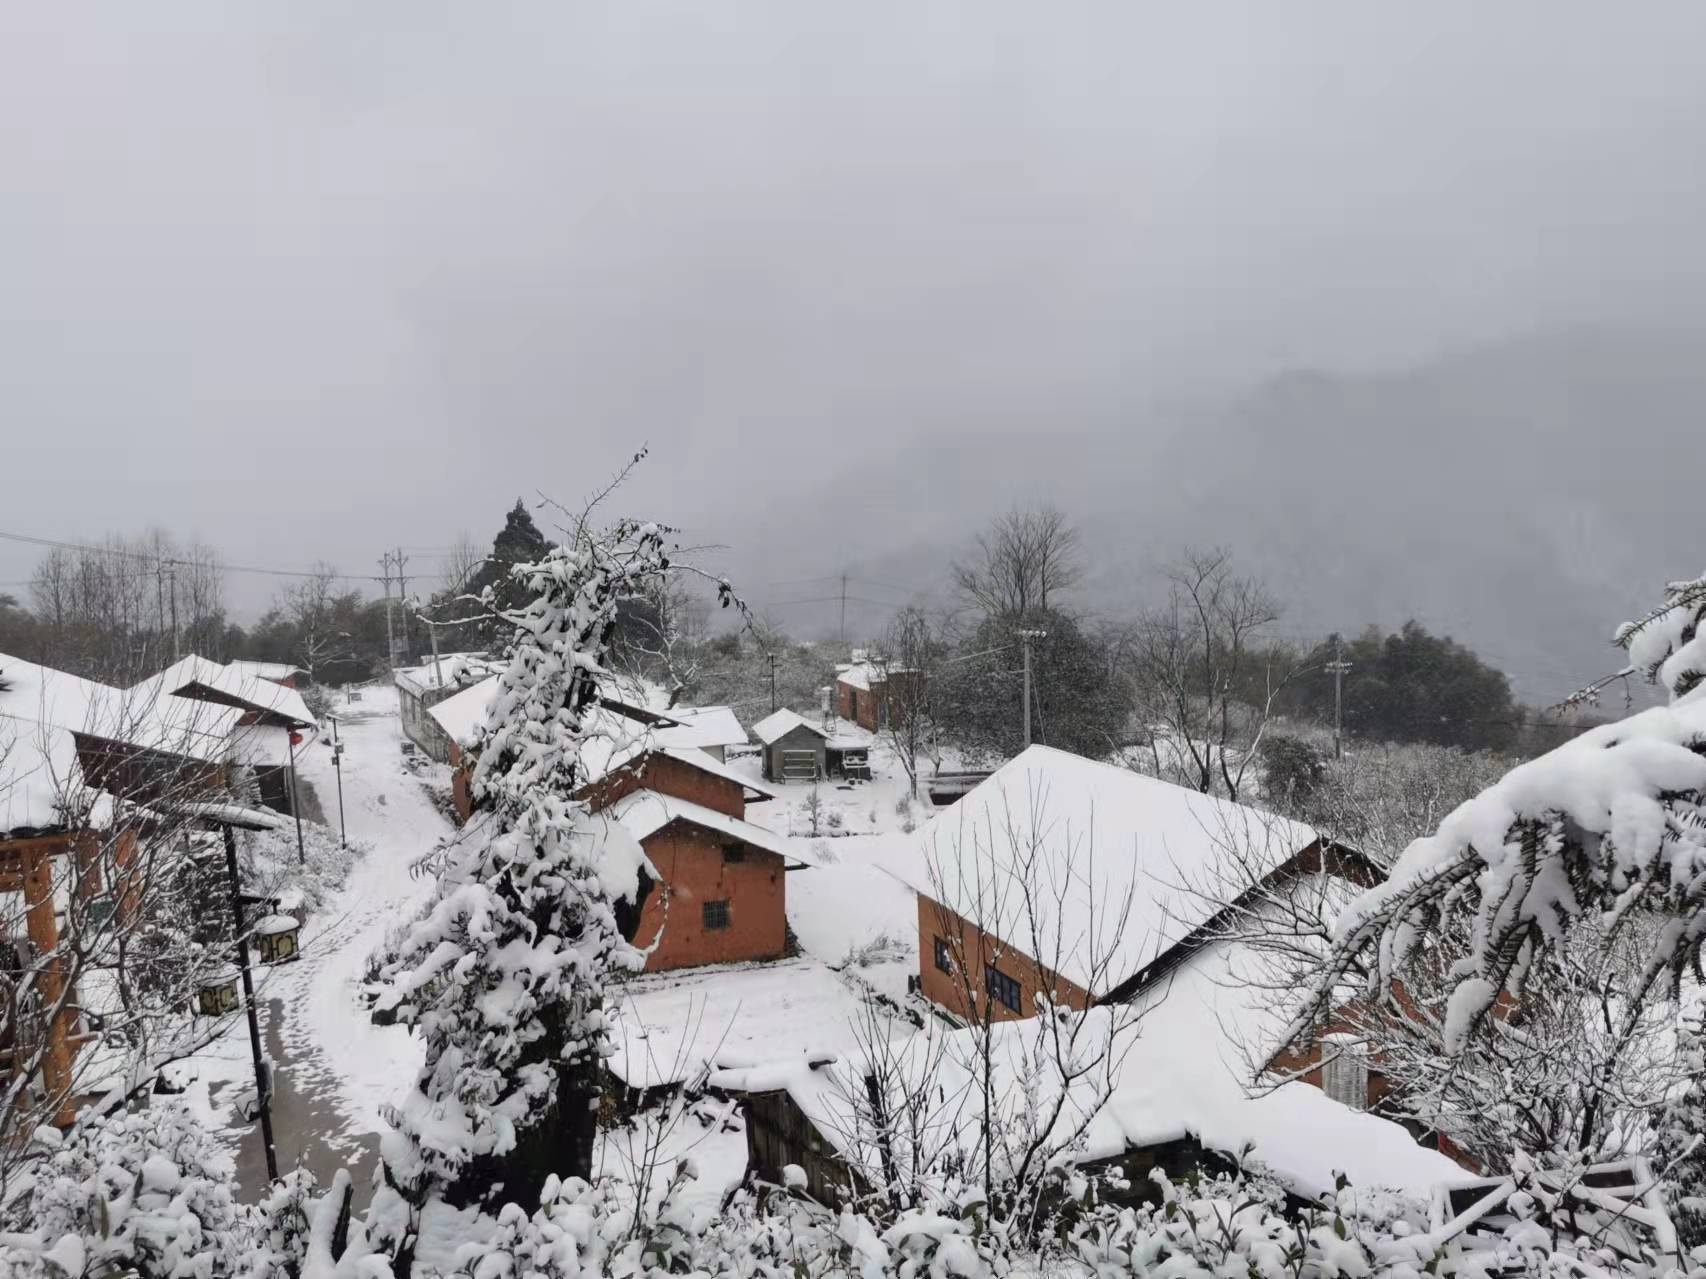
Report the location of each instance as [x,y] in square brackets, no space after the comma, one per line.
[43,932]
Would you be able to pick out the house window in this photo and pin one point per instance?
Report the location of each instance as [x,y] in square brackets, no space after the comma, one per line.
[1002,988]
[1344,1070]
[944,955]
[715,915]
[734,852]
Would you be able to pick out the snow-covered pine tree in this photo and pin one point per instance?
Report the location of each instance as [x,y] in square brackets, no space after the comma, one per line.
[1613,821]
[505,972]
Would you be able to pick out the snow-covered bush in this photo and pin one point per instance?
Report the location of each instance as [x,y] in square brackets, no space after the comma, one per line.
[1681,1152]
[148,1192]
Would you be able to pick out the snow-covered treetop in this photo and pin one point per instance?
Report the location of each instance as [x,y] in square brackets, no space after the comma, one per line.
[1611,821]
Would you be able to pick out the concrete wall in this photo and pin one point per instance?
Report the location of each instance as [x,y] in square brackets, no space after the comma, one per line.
[694,870]
[972,949]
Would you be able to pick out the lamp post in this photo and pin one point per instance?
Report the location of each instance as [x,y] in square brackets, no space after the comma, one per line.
[338,764]
[263,1078]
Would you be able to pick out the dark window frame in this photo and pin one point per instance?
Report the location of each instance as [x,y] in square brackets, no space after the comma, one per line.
[1003,989]
[944,956]
[716,915]
[735,852]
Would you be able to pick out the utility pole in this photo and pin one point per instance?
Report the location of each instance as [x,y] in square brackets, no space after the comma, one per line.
[403,595]
[772,658]
[172,590]
[390,643]
[263,1076]
[1339,668]
[1025,638]
[844,608]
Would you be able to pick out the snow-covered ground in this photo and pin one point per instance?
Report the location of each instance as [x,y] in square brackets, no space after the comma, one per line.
[335,1068]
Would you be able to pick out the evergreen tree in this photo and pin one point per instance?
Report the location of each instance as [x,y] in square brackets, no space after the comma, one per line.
[505,972]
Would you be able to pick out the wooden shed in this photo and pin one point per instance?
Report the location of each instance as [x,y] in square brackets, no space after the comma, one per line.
[794,749]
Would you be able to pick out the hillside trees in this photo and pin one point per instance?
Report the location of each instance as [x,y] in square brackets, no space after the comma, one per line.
[1414,686]
[978,695]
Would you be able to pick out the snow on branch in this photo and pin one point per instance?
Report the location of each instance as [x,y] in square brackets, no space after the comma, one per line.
[1611,822]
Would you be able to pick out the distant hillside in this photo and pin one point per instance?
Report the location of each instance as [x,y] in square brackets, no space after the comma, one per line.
[1522,497]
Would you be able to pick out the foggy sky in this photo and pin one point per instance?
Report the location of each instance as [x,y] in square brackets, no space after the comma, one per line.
[311,280]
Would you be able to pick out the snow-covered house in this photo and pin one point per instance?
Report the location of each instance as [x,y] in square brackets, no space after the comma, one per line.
[1098,867]
[420,688]
[796,749]
[718,892]
[1161,1085]
[712,729]
[78,758]
[869,692]
[264,725]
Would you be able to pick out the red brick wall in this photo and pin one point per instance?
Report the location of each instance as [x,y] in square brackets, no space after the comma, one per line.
[668,776]
[462,774]
[972,950]
[693,871]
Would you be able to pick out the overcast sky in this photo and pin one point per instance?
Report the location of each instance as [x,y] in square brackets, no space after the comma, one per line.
[313,279]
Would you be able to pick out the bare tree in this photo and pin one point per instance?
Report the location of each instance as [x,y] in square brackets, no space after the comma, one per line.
[311,605]
[1024,559]
[906,663]
[1000,1107]
[1572,1069]
[464,560]
[1203,679]
[115,918]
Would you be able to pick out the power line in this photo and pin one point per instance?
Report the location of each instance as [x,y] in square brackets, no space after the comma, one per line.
[147,558]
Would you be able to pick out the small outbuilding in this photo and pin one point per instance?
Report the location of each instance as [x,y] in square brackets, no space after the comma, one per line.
[794,749]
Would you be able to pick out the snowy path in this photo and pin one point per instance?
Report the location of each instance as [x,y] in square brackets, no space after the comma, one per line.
[335,1068]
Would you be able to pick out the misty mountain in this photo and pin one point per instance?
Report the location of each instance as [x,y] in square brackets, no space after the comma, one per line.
[1522,497]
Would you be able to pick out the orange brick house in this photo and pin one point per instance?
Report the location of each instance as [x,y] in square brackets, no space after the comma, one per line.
[1063,880]
[870,693]
[720,892]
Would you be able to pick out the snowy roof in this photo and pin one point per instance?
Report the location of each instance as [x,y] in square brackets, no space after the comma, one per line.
[140,716]
[645,812]
[778,724]
[863,674]
[265,670]
[671,1027]
[461,714]
[614,739]
[262,745]
[1077,839]
[38,770]
[452,670]
[703,726]
[1176,1074]
[226,685]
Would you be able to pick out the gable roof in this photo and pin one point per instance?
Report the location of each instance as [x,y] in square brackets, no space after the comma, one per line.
[1096,860]
[703,726]
[615,738]
[778,724]
[138,716]
[265,670]
[197,678]
[645,812]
